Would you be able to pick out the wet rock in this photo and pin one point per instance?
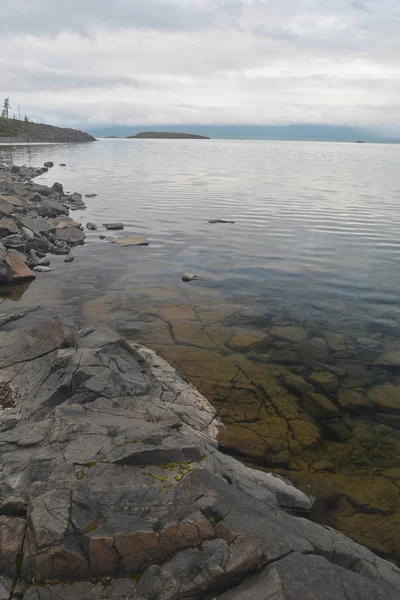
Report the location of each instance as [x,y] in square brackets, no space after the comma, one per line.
[66,223]
[43,190]
[102,237]
[297,384]
[245,340]
[43,261]
[91,226]
[220,221]
[72,236]
[52,209]
[324,381]
[41,269]
[189,277]
[76,200]
[90,195]
[315,348]
[354,400]
[13,270]
[319,406]
[63,165]
[260,357]
[286,357]
[113,226]
[131,240]
[385,326]
[289,333]
[386,397]
[8,227]
[48,164]
[57,188]
[70,258]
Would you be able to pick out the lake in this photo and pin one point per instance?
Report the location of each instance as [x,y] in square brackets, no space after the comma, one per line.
[293,328]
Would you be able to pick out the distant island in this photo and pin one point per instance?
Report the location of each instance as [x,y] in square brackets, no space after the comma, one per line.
[167,135]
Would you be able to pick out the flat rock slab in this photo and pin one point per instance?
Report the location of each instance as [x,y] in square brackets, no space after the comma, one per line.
[131,240]
[71,235]
[38,225]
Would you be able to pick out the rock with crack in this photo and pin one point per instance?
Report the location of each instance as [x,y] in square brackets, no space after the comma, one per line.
[111,473]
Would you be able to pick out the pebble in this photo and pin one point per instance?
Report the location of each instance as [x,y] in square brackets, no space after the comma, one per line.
[41,269]
[49,164]
[91,226]
[69,258]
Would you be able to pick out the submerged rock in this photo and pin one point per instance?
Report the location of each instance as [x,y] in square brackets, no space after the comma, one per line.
[220,221]
[112,475]
[131,240]
[72,235]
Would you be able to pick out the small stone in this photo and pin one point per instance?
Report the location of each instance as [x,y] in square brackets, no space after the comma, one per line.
[41,269]
[63,165]
[49,164]
[70,258]
[91,226]
[114,226]
[90,195]
[102,237]
[189,277]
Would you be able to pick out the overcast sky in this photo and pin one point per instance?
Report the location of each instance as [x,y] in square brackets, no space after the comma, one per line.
[95,62]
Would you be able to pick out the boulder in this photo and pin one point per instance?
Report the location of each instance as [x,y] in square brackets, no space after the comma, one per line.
[57,188]
[8,227]
[76,199]
[51,208]
[37,224]
[48,164]
[66,223]
[131,240]
[15,242]
[72,236]
[43,190]
[13,270]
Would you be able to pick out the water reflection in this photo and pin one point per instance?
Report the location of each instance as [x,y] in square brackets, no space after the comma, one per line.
[292,330]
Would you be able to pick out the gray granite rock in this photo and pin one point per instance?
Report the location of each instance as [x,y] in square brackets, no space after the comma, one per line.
[110,473]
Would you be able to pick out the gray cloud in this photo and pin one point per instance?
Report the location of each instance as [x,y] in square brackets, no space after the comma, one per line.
[204,61]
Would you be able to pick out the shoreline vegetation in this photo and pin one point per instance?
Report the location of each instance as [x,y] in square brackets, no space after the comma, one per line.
[14,131]
[135,493]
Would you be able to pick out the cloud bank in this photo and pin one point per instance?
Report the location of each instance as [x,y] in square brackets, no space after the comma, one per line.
[95,62]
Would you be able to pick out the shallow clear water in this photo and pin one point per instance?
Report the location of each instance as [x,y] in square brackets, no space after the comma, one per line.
[315,244]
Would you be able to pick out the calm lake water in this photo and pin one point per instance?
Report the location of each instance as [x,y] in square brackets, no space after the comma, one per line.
[314,254]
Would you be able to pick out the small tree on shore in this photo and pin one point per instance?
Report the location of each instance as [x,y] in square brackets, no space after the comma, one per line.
[26,119]
[6,108]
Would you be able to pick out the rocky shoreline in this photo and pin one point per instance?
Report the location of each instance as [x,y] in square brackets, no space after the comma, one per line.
[112,486]
[13,131]
[34,223]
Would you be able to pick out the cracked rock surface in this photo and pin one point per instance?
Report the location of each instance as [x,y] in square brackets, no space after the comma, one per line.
[112,486]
